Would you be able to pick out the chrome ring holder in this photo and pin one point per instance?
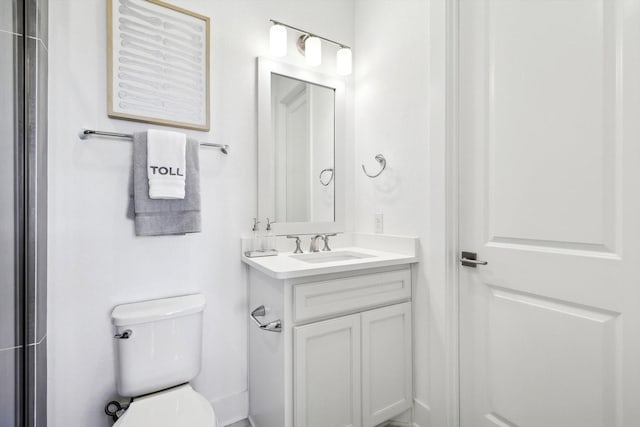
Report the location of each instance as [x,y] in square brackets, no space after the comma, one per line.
[330,178]
[383,163]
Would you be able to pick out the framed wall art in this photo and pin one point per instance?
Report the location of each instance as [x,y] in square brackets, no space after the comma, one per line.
[158,64]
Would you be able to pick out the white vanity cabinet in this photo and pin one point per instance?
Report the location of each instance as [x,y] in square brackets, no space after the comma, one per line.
[343,357]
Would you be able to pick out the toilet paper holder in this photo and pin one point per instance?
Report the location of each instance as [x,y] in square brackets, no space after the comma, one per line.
[275,326]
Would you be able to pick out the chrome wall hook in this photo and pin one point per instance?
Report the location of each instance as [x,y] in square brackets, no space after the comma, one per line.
[383,163]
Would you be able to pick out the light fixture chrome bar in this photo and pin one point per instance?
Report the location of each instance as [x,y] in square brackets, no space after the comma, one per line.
[85,133]
[309,33]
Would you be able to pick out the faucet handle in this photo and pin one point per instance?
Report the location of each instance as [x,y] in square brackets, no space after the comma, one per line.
[298,249]
[325,237]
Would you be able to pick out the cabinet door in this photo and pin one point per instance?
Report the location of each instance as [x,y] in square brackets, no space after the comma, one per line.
[327,373]
[387,387]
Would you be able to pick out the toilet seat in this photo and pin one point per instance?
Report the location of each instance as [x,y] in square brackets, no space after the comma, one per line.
[179,406]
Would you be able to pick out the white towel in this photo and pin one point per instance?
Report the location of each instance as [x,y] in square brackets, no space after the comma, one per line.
[166,164]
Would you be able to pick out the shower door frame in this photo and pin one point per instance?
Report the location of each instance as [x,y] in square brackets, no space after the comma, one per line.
[452,215]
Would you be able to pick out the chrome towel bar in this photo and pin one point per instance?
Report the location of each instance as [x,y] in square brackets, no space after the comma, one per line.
[85,133]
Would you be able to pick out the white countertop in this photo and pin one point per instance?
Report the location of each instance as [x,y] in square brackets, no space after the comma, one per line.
[286,266]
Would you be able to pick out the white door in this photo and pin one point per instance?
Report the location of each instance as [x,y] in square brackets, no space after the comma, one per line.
[387,386]
[550,198]
[327,373]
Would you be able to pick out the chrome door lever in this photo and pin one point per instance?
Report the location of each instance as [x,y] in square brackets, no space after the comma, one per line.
[469,259]
[275,326]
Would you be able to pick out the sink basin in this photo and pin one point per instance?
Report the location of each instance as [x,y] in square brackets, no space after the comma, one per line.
[336,256]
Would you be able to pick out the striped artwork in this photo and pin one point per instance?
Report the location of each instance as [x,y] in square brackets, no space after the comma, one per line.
[158,64]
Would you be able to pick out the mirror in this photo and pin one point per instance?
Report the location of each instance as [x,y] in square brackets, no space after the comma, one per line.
[300,120]
[302,117]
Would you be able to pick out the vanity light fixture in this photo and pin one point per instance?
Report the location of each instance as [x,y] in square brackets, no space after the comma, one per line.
[309,45]
[343,61]
[278,40]
[312,51]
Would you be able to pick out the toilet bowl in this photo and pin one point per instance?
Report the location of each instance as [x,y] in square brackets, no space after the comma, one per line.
[178,406]
[158,351]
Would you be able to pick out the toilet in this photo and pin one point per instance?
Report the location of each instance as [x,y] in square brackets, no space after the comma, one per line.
[158,351]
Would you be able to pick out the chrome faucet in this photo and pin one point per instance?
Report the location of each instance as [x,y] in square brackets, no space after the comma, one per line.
[314,243]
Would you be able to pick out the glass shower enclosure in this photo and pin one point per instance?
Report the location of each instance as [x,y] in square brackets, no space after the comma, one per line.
[23,211]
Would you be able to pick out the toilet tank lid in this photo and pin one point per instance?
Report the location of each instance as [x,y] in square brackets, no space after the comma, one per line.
[159,309]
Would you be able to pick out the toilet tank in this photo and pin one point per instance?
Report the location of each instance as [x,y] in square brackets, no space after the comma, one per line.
[164,345]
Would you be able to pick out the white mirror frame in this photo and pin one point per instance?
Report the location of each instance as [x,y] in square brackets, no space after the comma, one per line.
[266,145]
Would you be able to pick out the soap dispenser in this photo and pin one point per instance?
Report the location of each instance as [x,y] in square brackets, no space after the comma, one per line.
[259,245]
[269,242]
[256,238]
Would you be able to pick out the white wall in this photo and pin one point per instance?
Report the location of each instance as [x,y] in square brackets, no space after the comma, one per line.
[399,112]
[95,261]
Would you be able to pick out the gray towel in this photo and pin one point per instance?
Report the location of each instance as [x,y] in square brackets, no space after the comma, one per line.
[155,217]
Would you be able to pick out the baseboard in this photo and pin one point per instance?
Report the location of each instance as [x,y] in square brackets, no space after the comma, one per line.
[420,414]
[231,409]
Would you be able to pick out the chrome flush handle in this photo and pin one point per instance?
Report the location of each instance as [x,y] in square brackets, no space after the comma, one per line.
[124,335]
